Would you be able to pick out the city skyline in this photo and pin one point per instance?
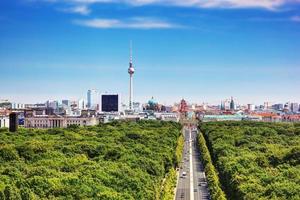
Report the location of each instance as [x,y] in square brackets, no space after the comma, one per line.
[200,52]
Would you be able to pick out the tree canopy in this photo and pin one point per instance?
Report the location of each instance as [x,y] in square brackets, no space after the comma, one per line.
[256,160]
[121,160]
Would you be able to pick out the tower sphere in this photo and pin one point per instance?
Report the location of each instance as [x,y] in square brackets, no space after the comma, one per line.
[130,70]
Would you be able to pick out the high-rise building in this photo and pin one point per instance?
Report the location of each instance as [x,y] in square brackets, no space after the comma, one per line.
[232,104]
[110,103]
[130,72]
[222,107]
[92,99]
[52,104]
[294,107]
[278,106]
[81,104]
[287,106]
[66,103]
[267,105]
[251,107]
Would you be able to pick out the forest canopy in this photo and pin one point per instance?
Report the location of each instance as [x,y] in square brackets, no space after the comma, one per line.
[256,160]
[121,160]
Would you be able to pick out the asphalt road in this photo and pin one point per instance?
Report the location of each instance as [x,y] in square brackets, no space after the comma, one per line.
[193,186]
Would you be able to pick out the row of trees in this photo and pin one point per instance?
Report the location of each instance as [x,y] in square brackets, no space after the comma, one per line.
[214,185]
[121,160]
[256,160]
[169,183]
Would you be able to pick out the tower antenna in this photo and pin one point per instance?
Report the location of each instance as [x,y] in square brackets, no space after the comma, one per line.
[130,50]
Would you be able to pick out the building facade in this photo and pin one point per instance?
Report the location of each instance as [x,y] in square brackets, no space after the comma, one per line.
[92,99]
[110,103]
[4,122]
[294,107]
[59,122]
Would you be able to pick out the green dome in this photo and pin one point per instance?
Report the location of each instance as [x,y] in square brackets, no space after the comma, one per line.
[152,101]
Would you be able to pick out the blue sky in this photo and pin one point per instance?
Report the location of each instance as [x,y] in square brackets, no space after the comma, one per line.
[204,51]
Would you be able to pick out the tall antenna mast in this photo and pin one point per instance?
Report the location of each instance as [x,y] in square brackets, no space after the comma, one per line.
[130,72]
[130,51]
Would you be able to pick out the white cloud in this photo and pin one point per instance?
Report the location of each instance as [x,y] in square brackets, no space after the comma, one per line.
[132,23]
[90,1]
[295,18]
[266,4]
[79,9]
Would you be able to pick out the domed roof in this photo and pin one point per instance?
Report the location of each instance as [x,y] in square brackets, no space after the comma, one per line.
[152,101]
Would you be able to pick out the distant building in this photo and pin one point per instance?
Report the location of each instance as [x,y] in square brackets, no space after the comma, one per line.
[92,99]
[37,105]
[278,107]
[294,107]
[208,118]
[110,103]
[291,118]
[58,121]
[5,104]
[232,104]
[152,105]
[167,109]
[222,107]
[137,107]
[81,104]
[252,118]
[251,107]
[52,104]
[267,105]
[287,107]
[225,105]
[66,103]
[169,117]
[43,118]
[17,106]
[183,107]
[269,117]
[4,122]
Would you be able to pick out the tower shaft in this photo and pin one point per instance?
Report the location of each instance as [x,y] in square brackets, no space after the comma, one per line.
[130,72]
[131,92]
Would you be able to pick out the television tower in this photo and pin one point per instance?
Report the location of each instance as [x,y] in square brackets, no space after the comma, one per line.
[130,72]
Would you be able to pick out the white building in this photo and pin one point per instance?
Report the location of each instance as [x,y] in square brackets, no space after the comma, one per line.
[294,107]
[267,105]
[59,122]
[4,122]
[52,104]
[18,106]
[251,107]
[169,117]
[81,104]
[66,103]
[93,99]
[137,107]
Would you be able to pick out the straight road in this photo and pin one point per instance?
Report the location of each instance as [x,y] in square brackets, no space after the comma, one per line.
[183,187]
[192,184]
